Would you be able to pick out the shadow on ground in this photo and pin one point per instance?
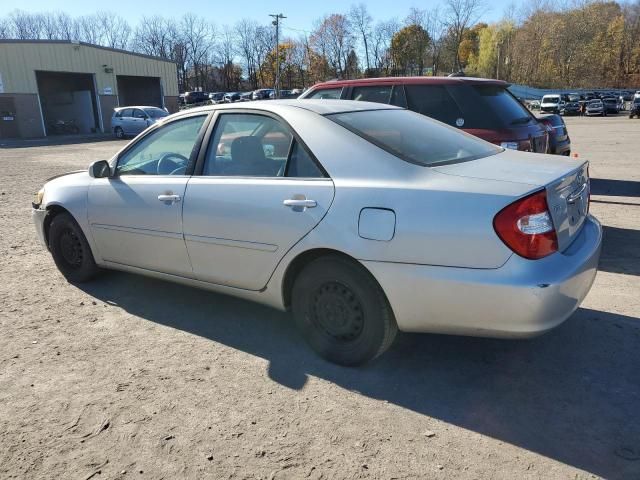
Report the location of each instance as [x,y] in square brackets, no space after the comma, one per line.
[572,395]
[52,140]
[618,188]
[620,251]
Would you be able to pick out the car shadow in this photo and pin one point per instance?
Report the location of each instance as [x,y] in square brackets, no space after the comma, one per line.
[618,188]
[620,251]
[572,395]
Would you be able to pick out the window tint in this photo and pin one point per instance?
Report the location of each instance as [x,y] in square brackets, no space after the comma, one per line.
[127,112]
[156,112]
[301,164]
[397,96]
[331,93]
[493,107]
[434,101]
[117,113]
[380,94]
[413,137]
[165,151]
[137,113]
[248,145]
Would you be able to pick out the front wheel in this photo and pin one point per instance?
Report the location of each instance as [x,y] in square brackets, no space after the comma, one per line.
[342,312]
[70,249]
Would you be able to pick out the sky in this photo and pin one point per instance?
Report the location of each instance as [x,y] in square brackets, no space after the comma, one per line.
[300,14]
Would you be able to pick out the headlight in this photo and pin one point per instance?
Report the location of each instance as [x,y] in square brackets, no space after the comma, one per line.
[38,198]
[510,145]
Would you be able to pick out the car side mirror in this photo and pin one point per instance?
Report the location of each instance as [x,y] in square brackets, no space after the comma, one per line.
[100,169]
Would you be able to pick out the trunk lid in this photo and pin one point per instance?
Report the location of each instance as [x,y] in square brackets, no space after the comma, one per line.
[566,181]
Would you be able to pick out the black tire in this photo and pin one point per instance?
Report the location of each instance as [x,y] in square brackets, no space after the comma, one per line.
[342,312]
[70,249]
[118,132]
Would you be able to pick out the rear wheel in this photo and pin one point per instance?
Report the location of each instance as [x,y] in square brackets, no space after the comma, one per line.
[70,249]
[342,312]
[119,133]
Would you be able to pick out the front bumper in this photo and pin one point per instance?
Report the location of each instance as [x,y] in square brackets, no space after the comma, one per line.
[523,298]
[38,215]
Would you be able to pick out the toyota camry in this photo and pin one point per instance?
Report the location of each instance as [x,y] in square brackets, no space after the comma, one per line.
[362,219]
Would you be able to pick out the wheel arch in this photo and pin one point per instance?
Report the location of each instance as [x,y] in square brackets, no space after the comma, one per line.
[53,210]
[305,258]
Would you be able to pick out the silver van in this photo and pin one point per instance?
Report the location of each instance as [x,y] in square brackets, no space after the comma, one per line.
[130,121]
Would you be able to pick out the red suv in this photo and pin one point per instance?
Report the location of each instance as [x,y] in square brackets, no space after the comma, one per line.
[481,107]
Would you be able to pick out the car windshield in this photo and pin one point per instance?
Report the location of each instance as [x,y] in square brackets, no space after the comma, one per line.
[413,137]
[156,112]
[550,99]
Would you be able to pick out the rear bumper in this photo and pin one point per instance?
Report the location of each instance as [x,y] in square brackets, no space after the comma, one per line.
[523,298]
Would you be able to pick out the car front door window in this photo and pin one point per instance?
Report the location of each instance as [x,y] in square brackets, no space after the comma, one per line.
[166,151]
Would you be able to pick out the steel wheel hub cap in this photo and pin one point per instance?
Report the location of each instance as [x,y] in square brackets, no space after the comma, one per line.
[337,311]
[71,248]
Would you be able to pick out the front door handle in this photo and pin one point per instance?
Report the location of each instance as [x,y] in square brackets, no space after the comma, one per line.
[169,198]
[300,203]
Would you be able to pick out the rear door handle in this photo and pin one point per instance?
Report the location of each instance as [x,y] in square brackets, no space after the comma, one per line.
[169,198]
[300,203]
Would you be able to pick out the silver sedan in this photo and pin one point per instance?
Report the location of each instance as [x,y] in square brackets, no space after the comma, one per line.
[363,219]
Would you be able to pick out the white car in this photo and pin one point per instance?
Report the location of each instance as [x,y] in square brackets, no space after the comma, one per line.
[362,218]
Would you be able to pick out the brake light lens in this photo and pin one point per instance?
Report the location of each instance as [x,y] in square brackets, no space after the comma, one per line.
[526,227]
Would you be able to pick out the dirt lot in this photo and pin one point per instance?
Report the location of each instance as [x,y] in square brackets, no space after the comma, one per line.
[135,378]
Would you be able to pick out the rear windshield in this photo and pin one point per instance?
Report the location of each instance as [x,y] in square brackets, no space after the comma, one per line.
[468,106]
[414,138]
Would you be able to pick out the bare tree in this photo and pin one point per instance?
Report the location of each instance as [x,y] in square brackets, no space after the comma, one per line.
[6,29]
[362,21]
[383,33]
[88,29]
[67,26]
[460,15]
[114,30]
[333,38]
[25,26]
[246,35]
[225,49]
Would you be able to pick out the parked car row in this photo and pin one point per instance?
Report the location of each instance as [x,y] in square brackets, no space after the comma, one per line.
[407,223]
[213,98]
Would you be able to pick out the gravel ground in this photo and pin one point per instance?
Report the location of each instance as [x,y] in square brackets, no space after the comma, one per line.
[130,377]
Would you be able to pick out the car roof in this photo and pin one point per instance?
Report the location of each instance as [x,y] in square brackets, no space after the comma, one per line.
[411,81]
[321,107]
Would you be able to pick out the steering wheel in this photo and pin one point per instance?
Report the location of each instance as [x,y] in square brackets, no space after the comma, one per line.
[167,165]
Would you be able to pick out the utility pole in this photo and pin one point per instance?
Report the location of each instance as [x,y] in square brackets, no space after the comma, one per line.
[276,22]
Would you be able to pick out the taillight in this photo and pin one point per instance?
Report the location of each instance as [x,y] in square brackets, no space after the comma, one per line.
[526,227]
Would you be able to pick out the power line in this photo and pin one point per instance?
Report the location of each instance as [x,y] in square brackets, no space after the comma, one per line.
[276,22]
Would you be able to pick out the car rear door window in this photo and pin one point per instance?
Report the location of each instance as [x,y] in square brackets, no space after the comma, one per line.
[377,94]
[327,93]
[254,145]
[435,101]
[248,145]
[301,165]
[127,112]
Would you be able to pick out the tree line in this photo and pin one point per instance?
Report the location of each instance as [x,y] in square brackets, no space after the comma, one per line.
[548,45]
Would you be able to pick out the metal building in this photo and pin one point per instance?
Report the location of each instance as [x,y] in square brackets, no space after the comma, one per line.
[44,81]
